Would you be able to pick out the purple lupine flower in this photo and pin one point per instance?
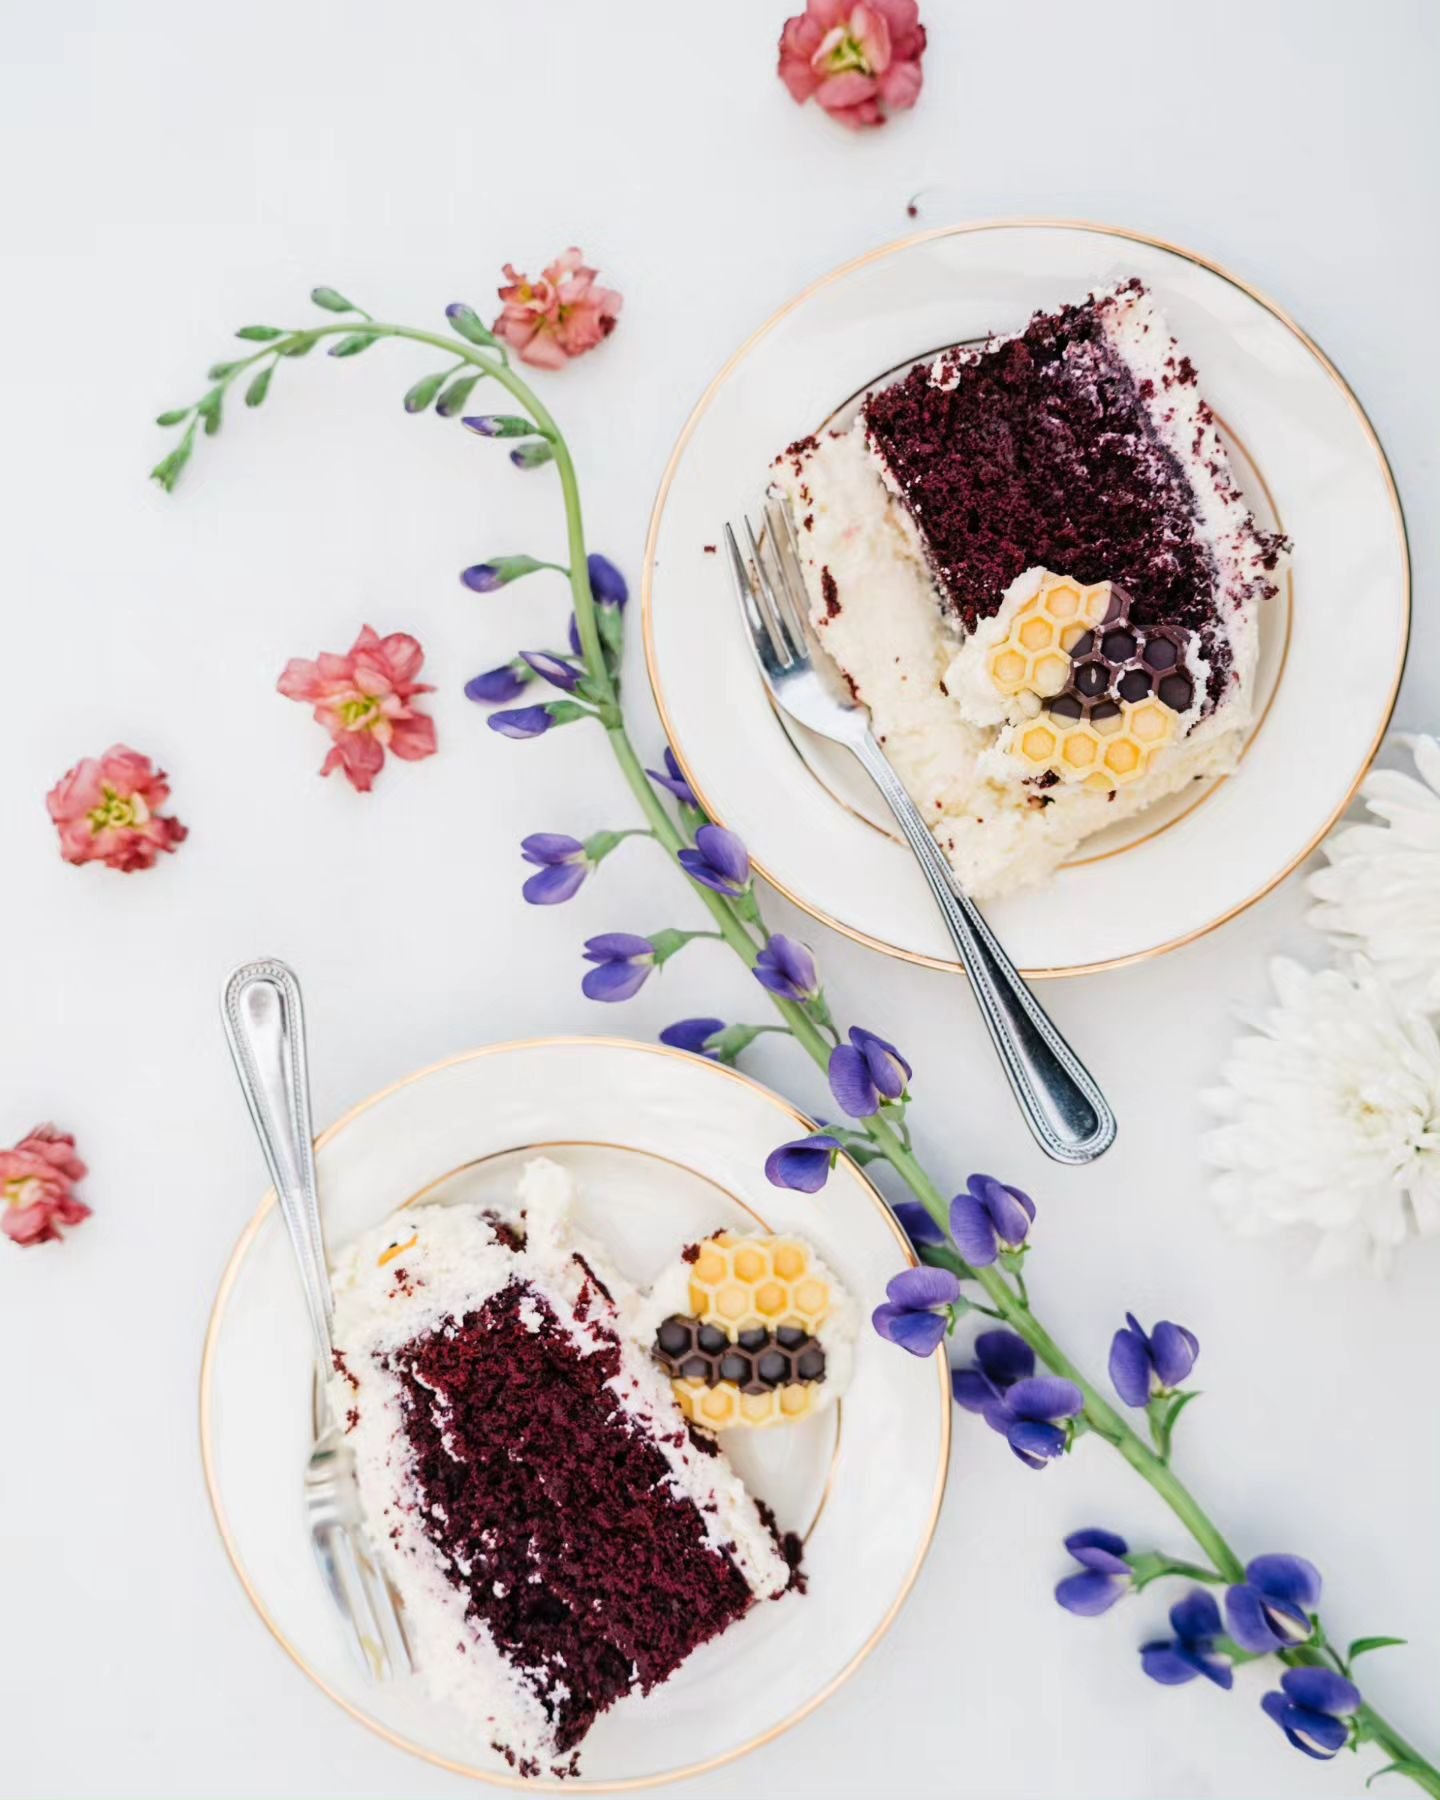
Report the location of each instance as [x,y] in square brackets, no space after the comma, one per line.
[522,721]
[494,687]
[988,1218]
[692,1035]
[1145,1364]
[787,967]
[909,1317]
[1271,1608]
[804,1164]
[607,584]
[1316,1710]
[915,1221]
[562,864]
[554,669]
[673,781]
[1023,1407]
[1195,1620]
[623,964]
[865,1072]
[1104,1576]
[719,860]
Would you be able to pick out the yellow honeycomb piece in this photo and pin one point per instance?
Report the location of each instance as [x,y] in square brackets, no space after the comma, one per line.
[740,1282]
[1033,656]
[724,1407]
[1102,753]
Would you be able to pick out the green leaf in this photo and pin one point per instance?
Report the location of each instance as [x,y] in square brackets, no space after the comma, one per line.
[170,468]
[177,416]
[218,371]
[304,343]
[1178,1405]
[1362,1645]
[260,386]
[1402,1766]
[260,334]
[456,395]
[467,322]
[424,391]
[209,410]
[332,301]
[354,344]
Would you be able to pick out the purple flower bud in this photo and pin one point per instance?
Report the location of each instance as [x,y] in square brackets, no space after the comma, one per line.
[1104,1575]
[1271,1609]
[915,1221]
[488,577]
[692,1035]
[1172,1662]
[623,964]
[607,584]
[1145,1364]
[563,866]
[803,1164]
[909,1316]
[786,967]
[495,686]
[719,861]
[533,455]
[1315,1711]
[554,669]
[521,722]
[500,425]
[865,1072]
[673,781]
[988,1218]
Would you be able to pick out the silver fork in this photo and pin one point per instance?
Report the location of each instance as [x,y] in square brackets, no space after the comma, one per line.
[1059,1098]
[265,1028]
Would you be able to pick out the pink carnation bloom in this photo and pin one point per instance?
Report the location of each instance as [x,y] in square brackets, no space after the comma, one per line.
[363,699]
[855,59]
[107,809]
[561,315]
[37,1179]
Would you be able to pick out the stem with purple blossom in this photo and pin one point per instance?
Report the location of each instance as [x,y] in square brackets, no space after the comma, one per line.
[883,1134]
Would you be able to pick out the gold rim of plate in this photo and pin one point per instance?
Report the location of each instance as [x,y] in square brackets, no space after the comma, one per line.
[647,584]
[498,1778]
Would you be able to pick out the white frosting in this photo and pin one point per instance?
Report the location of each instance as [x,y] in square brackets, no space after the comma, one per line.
[453,1265]
[944,725]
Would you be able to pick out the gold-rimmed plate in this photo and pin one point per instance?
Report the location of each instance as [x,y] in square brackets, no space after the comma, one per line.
[665,1147]
[1333,642]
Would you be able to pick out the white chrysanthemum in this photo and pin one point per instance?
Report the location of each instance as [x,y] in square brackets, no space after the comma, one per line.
[1330,1117]
[1381,894]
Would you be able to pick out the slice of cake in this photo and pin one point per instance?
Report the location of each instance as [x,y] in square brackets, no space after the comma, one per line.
[1031,561]
[558,1534]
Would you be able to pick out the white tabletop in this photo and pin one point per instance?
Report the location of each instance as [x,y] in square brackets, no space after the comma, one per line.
[174,171]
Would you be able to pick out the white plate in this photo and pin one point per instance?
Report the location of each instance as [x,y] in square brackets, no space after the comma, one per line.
[665,1147]
[1333,641]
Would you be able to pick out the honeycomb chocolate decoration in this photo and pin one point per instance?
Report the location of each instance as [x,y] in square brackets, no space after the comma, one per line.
[752,1348]
[1099,695]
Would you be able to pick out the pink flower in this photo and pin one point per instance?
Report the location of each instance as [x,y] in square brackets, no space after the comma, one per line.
[107,809]
[37,1179]
[855,57]
[363,700]
[561,315]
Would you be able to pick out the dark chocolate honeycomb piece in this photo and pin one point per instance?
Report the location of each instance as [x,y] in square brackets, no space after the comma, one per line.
[1122,660]
[756,1362]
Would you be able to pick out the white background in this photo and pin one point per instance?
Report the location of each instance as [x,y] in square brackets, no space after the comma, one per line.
[173,171]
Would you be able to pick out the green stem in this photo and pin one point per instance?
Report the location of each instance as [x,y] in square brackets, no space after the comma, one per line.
[746,937]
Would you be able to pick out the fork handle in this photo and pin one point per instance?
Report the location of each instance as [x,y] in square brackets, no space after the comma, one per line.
[1061,1102]
[265,1028]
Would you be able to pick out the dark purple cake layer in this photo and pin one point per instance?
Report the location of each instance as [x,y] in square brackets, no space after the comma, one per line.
[554,1515]
[1043,452]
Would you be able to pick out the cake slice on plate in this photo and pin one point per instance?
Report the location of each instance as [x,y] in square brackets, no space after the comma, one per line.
[1031,560]
[558,1534]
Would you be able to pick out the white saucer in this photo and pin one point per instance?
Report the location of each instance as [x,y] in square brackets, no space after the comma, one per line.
[1333,641]
[665,1147]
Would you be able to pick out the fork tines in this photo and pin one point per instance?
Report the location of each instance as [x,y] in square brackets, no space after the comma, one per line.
[771,587]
